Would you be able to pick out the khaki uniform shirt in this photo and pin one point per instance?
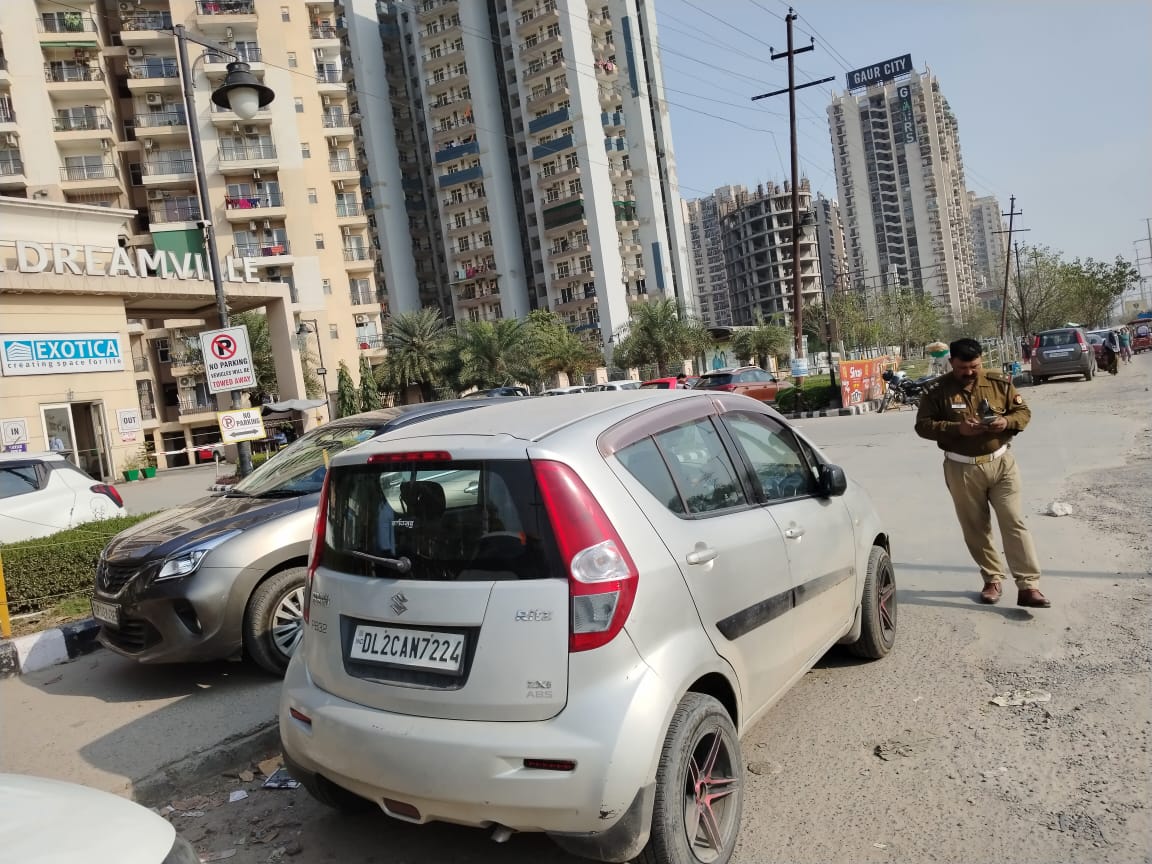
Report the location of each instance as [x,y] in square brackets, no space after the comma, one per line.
[947,403]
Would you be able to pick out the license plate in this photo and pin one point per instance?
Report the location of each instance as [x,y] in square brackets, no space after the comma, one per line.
[421,649]
[1063,353]
[108,613]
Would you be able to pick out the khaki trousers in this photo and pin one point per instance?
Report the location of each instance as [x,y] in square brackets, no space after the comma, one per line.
[995,483]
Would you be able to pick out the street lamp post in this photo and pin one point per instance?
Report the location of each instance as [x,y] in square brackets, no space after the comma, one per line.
[245,95]
[304,330]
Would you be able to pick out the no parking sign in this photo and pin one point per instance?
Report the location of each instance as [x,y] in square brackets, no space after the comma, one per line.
[227,359]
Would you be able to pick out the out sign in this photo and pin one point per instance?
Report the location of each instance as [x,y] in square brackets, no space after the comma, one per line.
[227,359]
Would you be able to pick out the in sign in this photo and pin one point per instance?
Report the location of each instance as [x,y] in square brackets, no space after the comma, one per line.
[227,360]
[224,347]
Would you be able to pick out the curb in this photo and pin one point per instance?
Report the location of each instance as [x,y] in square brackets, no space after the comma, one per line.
[850,411]
[36,651]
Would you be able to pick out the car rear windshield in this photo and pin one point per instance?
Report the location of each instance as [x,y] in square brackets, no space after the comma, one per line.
[713,380]
[656,385]
[1057,339]
[456,521]
[300,467]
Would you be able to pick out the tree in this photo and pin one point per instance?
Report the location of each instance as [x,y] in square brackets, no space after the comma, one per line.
[658,332]
[978,323]
[857,325]
[347,399]
[417,343]
[1091,288]
[1036,298]
[260,341]
[761,341]
[369,392]
[553,348]
[494,353]
[908,317]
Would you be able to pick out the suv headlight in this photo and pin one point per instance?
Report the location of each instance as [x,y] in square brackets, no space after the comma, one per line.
[188,561]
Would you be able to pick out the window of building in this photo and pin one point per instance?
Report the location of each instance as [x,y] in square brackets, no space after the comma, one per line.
[326,286]
[305,151]
[299,103]
[285,14]
[313,197]
[333,331]
[585,263]
[319,241]
[563,270]
[639,260]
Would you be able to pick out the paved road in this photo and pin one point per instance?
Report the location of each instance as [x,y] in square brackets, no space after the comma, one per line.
[168,488]
[1062,781]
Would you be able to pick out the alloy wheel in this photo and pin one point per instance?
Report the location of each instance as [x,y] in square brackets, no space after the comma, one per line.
[288,622]
[886,597]
[710,812]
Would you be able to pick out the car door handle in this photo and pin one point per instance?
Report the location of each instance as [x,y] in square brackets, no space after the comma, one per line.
[794,533]
[701,554]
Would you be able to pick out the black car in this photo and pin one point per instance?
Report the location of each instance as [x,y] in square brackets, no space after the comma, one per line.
[225,574]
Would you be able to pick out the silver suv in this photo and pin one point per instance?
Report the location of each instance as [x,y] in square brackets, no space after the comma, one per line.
[1064,351]
[564,619]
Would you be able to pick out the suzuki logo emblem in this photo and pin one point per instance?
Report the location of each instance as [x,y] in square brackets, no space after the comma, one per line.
[399,603]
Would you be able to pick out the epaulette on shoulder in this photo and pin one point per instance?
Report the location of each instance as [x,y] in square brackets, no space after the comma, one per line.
[998,376]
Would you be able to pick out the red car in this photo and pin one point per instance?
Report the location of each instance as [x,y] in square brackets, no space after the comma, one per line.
[668,383]
[747,380]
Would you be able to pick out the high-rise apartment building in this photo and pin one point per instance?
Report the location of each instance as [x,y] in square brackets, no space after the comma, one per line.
[830,241]
[988,248]
[538,158]
[92,111]
[702,220]
[900,182]
[757,240]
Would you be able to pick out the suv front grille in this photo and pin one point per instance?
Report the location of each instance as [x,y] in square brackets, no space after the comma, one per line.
[133,635]
[111,577]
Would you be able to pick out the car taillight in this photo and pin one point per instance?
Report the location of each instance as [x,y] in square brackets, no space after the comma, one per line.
[601,574]
[316,546]
[1035,344]
[422,456]
[1080,339]
[110,491]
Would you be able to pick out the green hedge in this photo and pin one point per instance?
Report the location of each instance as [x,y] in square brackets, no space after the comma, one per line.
[818,393]
[38,572]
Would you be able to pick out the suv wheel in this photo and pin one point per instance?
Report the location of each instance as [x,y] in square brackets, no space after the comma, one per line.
[699,787]
[274,622]
[1088,374]
[877,608]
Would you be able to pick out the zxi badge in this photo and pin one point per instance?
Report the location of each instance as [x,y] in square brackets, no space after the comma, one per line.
[399,603]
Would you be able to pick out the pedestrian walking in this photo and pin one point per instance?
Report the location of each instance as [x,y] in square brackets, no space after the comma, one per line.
[1112,353]
[1125,344]
[973,414]
[1025,348]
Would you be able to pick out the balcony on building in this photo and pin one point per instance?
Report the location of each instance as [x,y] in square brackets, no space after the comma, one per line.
[154,74]
[330,81]
[216,63]
[540,15]
[11,168]
[457,151]
[244,158]
[359,257]
[471,198]
[626,216]
[465,175]
[324,36]
[216,15]
[537,44]
[599,22]
[272,251]
[166,207]
[453,128]
[468,225]
[7,115]
[193,408]
[171,123]
[538,68]
[143,27]
[551,148]
[75,28]
[81,125]
[565,217]
[615,144]
[362,295]
[542,98]
[167,171]
[612,121]
[89,174]
[343,167]
[350,212]
[5,73]
[73,78]
[430,10]
[442,81]
[447,27]
[444,55]
[562,248]
[547,121]
[338,124]
[245,208]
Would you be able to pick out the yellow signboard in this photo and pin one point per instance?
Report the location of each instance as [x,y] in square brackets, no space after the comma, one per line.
[244,424]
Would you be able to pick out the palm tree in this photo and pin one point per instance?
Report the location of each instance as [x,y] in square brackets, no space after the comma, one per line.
[760,341]
[658,332]
[554,348]
[369,392]
[416,342]
[494,353]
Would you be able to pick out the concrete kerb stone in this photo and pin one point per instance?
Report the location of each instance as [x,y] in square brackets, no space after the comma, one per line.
[850,411]
[23,654]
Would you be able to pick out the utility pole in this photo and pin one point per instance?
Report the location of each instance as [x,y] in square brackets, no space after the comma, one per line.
[797,294]
[1011,214]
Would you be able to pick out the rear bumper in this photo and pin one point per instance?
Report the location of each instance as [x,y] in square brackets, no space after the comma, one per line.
[1076,366]
[472,772]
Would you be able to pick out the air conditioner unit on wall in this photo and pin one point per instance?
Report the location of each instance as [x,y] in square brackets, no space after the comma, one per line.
[155,195]
[135,53]
[187,381]
[361,319]
[154,98]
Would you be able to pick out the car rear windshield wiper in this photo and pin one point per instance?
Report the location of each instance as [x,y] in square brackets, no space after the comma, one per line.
[235,493]
[400,565]
[284,493]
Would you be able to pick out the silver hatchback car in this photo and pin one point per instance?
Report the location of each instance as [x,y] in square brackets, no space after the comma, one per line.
[564,619]
[1064,351]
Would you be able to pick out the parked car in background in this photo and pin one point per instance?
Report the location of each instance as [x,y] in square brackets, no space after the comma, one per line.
[746,380]
[565,391]
[668,383]
[1096,340]
[225,574]
[1141,334]
[42,493]
[564,619]
[612,386]
[49,821]
[497,392]
[1062,351]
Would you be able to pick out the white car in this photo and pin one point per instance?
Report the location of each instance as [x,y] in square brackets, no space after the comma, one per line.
[565,391]
[616,385]
[49,821]
[42,493]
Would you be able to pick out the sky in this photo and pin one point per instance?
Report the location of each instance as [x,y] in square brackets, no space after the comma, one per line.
[1052,98]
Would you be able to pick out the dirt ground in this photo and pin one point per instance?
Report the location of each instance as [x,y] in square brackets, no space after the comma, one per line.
[905,760]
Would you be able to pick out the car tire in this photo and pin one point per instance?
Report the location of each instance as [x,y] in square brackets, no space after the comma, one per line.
[877,608]
[269,634]
[336,797]
[1088,374]
[701,746]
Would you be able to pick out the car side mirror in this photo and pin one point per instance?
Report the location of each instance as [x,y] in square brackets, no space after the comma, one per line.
[833,481]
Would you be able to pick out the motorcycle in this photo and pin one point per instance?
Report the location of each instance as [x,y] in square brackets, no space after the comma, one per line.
[901,390]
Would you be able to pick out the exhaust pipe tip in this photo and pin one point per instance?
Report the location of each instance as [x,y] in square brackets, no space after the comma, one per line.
[501,834]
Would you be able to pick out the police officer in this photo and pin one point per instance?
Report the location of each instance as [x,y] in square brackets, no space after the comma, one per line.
[972,415]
